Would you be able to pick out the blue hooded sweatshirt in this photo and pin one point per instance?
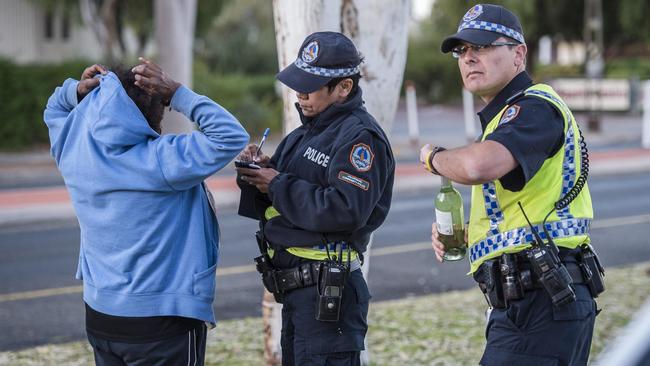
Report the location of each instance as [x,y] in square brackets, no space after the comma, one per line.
[149,238]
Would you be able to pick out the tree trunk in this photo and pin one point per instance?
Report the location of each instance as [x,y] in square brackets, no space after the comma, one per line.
[174,22]
[379,29]
[272,325]
[90,15]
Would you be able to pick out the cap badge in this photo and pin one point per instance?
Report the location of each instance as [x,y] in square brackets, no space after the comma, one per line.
[473,13]
[310,52]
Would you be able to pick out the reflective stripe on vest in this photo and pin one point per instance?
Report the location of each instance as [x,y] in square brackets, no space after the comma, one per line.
[523,236]
[317,252]
[568,164]
[492,208]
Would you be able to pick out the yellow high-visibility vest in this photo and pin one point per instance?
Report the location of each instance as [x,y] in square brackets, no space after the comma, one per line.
[497,225]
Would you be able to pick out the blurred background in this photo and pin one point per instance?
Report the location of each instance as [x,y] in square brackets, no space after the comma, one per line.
[234,52]
[595,53]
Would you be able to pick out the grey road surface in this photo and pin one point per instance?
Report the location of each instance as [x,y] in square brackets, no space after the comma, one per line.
[40,301]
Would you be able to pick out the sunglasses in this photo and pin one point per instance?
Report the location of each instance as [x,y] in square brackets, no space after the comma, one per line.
[460,50]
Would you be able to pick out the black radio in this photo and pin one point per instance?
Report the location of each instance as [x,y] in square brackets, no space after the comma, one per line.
[331,280]
[552,273]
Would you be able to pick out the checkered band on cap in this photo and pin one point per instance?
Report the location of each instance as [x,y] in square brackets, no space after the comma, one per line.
[523,236]
[492,27]
[321,71]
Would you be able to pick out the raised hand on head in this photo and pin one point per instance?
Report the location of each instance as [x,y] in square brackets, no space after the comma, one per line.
[152,79]
[88,82]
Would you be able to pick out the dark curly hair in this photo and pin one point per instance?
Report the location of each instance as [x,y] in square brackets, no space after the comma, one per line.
[151,106]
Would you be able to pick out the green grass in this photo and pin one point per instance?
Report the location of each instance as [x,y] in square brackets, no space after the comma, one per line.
[444,329]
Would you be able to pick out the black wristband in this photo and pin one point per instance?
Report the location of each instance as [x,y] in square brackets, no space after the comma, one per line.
[433,153]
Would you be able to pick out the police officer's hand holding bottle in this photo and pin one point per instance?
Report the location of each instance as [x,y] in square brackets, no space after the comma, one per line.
[448,234]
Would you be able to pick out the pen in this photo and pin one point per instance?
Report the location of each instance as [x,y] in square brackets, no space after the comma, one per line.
[259,147]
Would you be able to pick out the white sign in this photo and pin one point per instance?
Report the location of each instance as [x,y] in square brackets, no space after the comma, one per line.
[610,95]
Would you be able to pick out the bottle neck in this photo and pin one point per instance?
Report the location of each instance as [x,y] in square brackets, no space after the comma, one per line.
[445,182]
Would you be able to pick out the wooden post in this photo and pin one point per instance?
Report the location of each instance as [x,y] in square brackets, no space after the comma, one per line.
[412,114]
[645,139]
[470,116]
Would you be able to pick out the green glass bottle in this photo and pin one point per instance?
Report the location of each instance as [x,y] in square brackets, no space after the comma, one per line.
[449,221]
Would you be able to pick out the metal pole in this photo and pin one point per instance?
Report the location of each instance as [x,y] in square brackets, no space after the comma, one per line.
[412,114]
[645,140]
[468,110]
[631,347]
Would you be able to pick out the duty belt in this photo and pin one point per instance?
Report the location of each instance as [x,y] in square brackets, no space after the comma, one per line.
[280,281]
[573,268]
[492,283]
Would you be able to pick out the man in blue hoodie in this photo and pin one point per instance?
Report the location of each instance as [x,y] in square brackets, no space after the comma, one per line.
[149,235]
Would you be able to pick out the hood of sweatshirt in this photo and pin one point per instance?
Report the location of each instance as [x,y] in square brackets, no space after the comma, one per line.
[115,118]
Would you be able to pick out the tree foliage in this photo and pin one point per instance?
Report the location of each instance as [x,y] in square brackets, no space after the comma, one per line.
[241,39]
[626,31]
[109,20]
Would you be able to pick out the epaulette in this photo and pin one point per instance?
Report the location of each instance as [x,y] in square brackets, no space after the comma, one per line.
[520,94]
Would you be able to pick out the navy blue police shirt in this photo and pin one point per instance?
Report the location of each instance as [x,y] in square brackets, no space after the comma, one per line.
[533,132]
[335,182]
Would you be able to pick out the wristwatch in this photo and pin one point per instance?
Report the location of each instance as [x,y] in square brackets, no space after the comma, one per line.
[429,162]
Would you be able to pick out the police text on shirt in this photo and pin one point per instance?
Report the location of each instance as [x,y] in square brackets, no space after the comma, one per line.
[316,156]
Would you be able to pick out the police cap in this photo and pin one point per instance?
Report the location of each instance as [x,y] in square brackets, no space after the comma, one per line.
[322,57]
[483,24]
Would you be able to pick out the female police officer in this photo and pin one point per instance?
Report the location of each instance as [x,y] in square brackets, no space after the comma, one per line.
[320,196]
[529,153]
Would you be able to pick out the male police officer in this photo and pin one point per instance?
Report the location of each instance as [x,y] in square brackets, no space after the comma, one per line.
[530,153]
[325,190]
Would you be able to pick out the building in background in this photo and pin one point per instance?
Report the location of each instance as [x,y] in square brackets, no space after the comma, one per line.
[558,51]
[31,34]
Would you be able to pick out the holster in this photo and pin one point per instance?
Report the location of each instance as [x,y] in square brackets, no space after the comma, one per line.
[265,267]
[279,281]
[489,279]
[593,272]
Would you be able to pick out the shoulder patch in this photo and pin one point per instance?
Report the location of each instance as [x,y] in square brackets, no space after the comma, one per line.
[354,180]
[511,113]
[361,157]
